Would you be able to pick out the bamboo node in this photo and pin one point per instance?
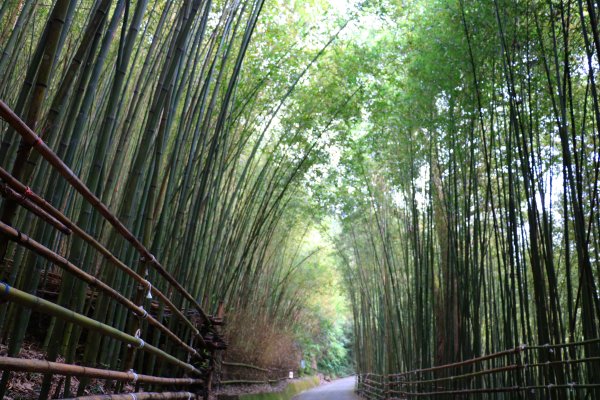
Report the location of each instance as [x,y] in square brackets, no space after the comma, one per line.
[6,287]
[151,259]
[149,285]
[28,192]
[550,350]
[135,375]
[19,235]
[144,313]
[141,343]
[5,293]
[522,347]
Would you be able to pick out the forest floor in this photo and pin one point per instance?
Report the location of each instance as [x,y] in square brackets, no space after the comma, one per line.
[26,385]
[248,389]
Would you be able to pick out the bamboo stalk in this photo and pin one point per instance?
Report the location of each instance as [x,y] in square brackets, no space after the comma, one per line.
[42,366]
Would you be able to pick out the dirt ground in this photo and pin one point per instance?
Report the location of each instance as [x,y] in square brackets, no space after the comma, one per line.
[26,385]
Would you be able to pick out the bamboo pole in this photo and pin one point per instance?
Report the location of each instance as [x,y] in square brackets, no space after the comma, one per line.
[9,193]
[44,306]
[236,364]
[26,192]
[43,366]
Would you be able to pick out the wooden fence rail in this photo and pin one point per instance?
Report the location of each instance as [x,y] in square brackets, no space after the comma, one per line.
[235,373]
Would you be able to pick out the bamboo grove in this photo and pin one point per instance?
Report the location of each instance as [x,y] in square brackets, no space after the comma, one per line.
[164,114]
[468,197]
[448,150]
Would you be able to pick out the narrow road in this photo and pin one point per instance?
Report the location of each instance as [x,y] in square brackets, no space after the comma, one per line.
[341,389]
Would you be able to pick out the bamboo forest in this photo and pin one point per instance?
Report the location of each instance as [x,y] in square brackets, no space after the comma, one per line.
[229,199]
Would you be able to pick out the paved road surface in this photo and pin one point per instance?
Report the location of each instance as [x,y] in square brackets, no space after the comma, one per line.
[342,389]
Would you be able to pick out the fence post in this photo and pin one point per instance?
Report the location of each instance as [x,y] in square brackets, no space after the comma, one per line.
[386,386]
[213,354]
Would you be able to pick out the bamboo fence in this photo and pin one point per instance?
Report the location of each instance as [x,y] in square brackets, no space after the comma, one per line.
[205,339]
[513,373]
